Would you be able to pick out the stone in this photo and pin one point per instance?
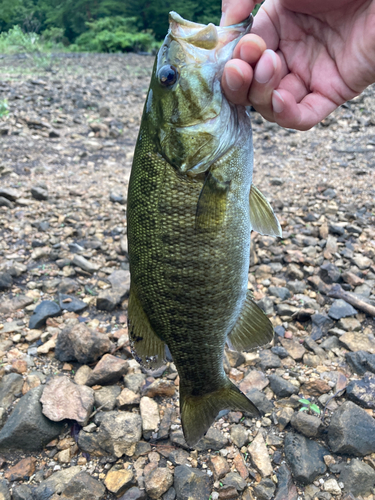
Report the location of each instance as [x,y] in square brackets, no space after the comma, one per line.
[219,466]
[296,286]
[150,415]
[134,381]
[134,494]
[254,380]
[315,387]
[27,429]
[191,484]
[62,399]
[105,398]
[308,425]
[22,492]
[239,435]
[107,300]
[265,489]
[170,494]
[108,371]
[260,400]
[294,272]
[4,202]
[118,481]
[39,193]
[341,309]
[268,360]
[259,455]
[356,341]
[305,457]
[351,431]
[9,193]
[358,478]
[280,292]
[55,484]
[280,351]
[330,273]
[349,325]
[213,440]
[86,265]
[46,309]
[361,362]
[332,486]
[235,480]
[10,388]
[6,282]
[179,457]
[284,416]
[82,375]
[281,387]
[79,343]
[160,387]
[4,490]
[71,303]
[361,261]
[83,487]
[158,482]
[286,489]
[295,349]
[362,391]
[127,399]
[22,470]
[9,306]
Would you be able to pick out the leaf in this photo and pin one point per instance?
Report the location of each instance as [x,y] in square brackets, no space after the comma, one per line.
[304,408]
[315,408]
[304,401]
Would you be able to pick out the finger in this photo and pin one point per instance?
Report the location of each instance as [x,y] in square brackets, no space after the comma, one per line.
[301,116]
[235,11]
[250,48]
[236,81]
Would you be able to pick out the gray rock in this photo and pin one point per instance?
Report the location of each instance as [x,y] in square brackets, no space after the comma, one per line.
[296,286]
[179,457]
[4,202]
[177,437]
[85,264]
[294,272]
[108,371]
[134,381]
[191,484]
[268,360]
[308,425]
[260,400]
[239,435]
[55,483]
[83,487]
[22,492]
[71,303]
[330,273]
[281,387]
[213,440]
[286,489]
[280,292]
[170,494]
[358,478]
[266,305]
[9,306]
[79,343]
[235,480]
[117,198]
[10,387]
[360,361]
[341,309]
[305,457]
[6,281]
[105,398]
[9,193]
[330,343]
[134,494]
[46,309]
[265,489]
[280,351]
[4,490]
[362,391]
[39,193]
[108,299]
[286,310]
[27,429]
[351,431]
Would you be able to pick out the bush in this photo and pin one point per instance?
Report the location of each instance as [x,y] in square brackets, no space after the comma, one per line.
[16,41]
[115,34]
[4,109]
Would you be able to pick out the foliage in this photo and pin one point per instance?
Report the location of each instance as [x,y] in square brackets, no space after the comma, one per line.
[308,406]
[16,41]
[4,109]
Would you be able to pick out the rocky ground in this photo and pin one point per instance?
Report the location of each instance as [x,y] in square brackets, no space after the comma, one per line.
[80,418]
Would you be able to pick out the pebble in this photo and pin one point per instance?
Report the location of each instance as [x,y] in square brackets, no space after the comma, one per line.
[46,309]
[259,455]
[108,371]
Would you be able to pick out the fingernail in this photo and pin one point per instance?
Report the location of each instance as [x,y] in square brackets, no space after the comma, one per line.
[234,78]
[266,68]
[222,20]
[278,103]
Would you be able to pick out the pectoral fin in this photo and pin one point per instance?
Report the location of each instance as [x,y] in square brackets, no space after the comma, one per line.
[262,218]
[253,328]
[146,346]
[212,204]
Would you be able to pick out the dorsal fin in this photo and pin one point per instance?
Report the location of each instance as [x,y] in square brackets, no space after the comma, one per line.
[262,218]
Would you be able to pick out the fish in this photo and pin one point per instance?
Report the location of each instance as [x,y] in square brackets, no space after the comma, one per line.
[191,209]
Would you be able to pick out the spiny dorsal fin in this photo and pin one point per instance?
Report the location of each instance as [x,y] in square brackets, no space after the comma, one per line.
[253,329]
[146,346]
[212,205]
[262,218]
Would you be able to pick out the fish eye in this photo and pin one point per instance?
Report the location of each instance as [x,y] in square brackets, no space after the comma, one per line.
[168,75]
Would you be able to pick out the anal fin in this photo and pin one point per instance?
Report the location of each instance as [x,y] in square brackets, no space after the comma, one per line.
[252,329]
[262,218]
[147,347]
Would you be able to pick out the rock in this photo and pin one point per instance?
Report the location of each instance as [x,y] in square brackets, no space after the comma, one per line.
[5,203]
[22,492]
[10,387]
[105,398]
[27,429]
[79,343]
[118,481]
[108,371]
[332,486]
[286,489]
[293,272]
[9,306]
[254,380]
[4,491]
[280,351]
[83,487]
[268,360]
[160,387]
[219,466]
[259,455]
[39,193]
[260,400]
[22,470]
[361,261]
[191,484]
[6,281]
[62,399]
[179,457]
[281,387]
[266,304]
[280,292]
[158,482]
[308,425]
[315,388]
[235,480]
[55,484]
[284,416]
[296,286]
[82,375]
[349,325]
[213,440]
[134,494]
[150,415]
[71,303]
[330,273]
[127,399]
[358,478]
[361,362]
[86,265]
[351,431]
[341,309]
[295,349]
[46,309]
[239,435]
[9,193]
[265,489]
[362,391]
[356,341]
[108,299]
[305,457]
[134,381]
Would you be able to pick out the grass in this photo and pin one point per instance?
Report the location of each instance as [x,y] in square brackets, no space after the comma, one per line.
[4,108]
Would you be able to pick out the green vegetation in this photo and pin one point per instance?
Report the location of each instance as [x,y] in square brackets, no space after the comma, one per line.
[4,110]
[308,406]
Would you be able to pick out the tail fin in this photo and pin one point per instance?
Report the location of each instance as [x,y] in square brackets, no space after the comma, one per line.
[198,412]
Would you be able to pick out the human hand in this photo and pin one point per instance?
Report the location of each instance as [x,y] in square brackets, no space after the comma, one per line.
[320,53]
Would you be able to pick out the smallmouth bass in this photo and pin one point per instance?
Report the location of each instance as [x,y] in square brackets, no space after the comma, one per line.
[191,209]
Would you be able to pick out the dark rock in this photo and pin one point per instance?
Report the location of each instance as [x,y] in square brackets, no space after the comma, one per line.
[280,292]
[280,351]
[170,494]
[286,489]
[83,487]
[4,202]
[46,309]
[22,492]
[308,425]
[362,391]
[361,361]
[79,343]
[330,343]
[281,387]
[179,457]
[358,478]
[279,331]
[265,489]
[266,305]
[6,282]
[134,381]
[4,490]
[329,193]
[71,304]
[351,431]
[177,437]
[305,457]
[109,299]
[260,400]
[191,484]
[10,387]
[296,286]
[105,398]
[39,193]
[268,360]
[213,440]
[341,309]
[337,230]
[27,429]
[55,483]
[134,494]
[117,198]
[235,480]
[9,193]
[322,321]
[330,274]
